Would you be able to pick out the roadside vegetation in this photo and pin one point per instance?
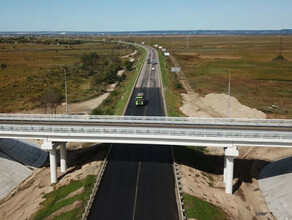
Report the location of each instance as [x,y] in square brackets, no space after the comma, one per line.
[197,158]
[31,68]
[57,203]
[258,80]
[117,100]
[172,87]
[54,200]
[199,209]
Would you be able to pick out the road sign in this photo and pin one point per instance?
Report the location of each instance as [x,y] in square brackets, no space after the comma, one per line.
[175,69]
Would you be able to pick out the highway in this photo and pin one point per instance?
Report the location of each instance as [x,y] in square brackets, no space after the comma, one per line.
[138,183]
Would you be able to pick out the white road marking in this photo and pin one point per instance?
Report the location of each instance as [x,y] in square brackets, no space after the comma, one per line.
[137,185]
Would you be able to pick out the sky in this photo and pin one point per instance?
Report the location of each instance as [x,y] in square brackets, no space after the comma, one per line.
[138,15]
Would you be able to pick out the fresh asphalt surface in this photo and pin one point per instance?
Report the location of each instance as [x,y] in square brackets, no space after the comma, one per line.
[138,182]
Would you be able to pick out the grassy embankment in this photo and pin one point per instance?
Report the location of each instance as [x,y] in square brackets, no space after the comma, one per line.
[117,100]
[171,87]
[195,157]
[54,200]
[33,67]
[256,79]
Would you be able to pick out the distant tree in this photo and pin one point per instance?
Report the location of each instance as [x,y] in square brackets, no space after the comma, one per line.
[3,66]
[89,60]
[128,64]
[51,98]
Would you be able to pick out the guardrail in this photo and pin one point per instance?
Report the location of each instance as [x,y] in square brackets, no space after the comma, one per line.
[95,187]
[50,130]
[147,120]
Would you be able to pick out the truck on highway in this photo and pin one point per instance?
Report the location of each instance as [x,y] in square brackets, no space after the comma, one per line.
[153,62]
[139,99]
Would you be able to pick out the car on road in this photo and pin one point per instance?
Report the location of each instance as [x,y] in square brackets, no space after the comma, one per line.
[153,68]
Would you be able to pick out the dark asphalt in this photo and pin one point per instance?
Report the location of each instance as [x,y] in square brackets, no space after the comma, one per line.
[138,182]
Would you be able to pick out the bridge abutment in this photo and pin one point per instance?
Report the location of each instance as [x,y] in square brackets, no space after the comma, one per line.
[230,153]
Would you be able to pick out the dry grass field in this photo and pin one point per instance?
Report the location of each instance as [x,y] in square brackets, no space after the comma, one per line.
[256,79]
[33,67]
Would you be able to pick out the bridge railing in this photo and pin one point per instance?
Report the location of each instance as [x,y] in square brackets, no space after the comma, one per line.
[149,131]
[147,120]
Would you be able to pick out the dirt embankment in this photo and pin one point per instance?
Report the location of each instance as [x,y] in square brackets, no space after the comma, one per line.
[25,200]
[247,202]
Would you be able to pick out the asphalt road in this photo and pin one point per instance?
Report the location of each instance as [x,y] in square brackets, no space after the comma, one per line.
[138,182]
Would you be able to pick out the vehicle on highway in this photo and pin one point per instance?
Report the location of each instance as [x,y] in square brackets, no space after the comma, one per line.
[153,68]
[153,61]
[148,61]
[139,99]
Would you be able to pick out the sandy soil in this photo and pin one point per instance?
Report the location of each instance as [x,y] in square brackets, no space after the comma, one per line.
[132,54]
[129,56]
[120,72]
[215,105]
[84,107]
[25,200]
[247,202]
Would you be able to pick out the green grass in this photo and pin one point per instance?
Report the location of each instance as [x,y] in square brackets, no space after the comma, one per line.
[172,95]
[202,210]
[52,203]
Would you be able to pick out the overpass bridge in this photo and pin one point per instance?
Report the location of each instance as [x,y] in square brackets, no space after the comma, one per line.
[227,133]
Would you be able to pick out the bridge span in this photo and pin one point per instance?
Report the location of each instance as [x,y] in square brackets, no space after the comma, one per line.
[228,133]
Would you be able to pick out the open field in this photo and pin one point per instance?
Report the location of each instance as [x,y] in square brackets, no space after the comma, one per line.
[256,79]
[32,67]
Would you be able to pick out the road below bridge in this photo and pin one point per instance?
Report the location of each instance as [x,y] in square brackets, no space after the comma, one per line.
[138,182]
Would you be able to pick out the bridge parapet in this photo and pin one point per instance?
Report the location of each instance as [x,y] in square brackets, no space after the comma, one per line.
[145,120]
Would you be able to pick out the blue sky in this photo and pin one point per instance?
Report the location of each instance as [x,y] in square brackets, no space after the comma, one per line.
[131,15]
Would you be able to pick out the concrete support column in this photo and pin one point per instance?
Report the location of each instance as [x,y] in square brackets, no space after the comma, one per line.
[53,164]
[230,153]
[225,170]
[63,157]
[229,174]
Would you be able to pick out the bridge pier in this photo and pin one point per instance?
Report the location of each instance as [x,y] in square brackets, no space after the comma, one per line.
[230,153]
[63,157]
[53,164]
[51,146]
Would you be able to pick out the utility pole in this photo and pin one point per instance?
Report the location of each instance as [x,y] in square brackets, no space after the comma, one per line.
[66,95]
[229,88]
[228,104]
